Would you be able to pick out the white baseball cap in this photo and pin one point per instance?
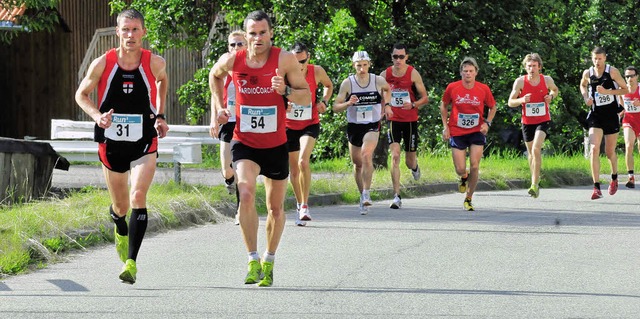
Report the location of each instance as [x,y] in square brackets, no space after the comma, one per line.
[360,56]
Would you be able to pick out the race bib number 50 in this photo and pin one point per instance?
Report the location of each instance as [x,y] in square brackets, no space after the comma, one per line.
[258,119]
[535,109]
[124,127]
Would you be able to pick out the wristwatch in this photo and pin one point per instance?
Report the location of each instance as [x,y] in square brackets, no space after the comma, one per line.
[488,122]
[413,105]
[160,116]
[287,91]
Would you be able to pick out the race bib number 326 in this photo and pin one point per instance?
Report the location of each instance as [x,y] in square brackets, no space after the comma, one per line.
[468,120]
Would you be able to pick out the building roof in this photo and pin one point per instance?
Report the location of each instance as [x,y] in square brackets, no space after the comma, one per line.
[9,13]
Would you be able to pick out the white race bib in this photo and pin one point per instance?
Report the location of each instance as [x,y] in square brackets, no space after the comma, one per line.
[124,127]
[300,112]
[468,120]
[364,114]
[258,119]
[399,97]
[629,107]
[535,109]
[231,106]
[604,99]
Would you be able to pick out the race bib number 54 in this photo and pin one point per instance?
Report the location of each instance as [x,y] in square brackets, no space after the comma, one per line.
[258,119]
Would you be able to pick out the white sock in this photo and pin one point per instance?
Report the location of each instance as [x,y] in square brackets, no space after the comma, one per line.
[253,255]
[269,257]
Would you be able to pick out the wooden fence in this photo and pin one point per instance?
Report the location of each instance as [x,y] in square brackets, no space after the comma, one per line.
[181,65]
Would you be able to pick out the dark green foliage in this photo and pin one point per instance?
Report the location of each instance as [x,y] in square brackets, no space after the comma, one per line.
[439,34]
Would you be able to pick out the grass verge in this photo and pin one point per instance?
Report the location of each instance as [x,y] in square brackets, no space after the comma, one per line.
[36,233]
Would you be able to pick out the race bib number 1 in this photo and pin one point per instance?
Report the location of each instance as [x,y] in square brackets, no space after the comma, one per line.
[261,119]
[468,120]
[535,109]
[124,127]
[364,113]
[603,99]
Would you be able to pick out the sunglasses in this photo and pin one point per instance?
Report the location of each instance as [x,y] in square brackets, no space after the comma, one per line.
[236,44]
[629,76]
[398,56]
[303,61]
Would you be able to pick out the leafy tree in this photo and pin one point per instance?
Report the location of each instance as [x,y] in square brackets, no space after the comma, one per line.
[439,34]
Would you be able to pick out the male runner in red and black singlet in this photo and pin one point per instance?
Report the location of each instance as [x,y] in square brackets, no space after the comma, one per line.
[132,88]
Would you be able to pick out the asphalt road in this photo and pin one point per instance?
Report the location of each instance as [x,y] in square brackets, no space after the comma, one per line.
[558,256]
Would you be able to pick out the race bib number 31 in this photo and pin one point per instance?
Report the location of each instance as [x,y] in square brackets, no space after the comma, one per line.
[468,120]
[258,119]
[535,109]
[124,127]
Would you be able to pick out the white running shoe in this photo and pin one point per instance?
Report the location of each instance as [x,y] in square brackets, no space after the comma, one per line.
[365,199]
[303,213]
[416,173]
[231,188]
[236,221]
[298,221]
[397,202]
[363,209]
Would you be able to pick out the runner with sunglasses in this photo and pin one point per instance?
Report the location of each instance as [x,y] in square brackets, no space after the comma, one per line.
[236,42]
[303,128]
[405,83]
[631,121]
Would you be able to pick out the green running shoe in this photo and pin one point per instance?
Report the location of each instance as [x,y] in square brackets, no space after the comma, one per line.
[462,186]
[534,191]
[129,271]
[267,271]
[255,272]
[122,245]
[467,205]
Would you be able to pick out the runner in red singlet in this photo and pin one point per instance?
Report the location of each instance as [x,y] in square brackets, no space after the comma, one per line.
[533,92]
[266,78]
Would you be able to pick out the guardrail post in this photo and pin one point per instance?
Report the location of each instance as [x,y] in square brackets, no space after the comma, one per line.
[177,172]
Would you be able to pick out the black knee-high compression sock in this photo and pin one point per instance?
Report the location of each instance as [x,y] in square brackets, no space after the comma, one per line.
[237,198]
[121,222]
[137,228]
